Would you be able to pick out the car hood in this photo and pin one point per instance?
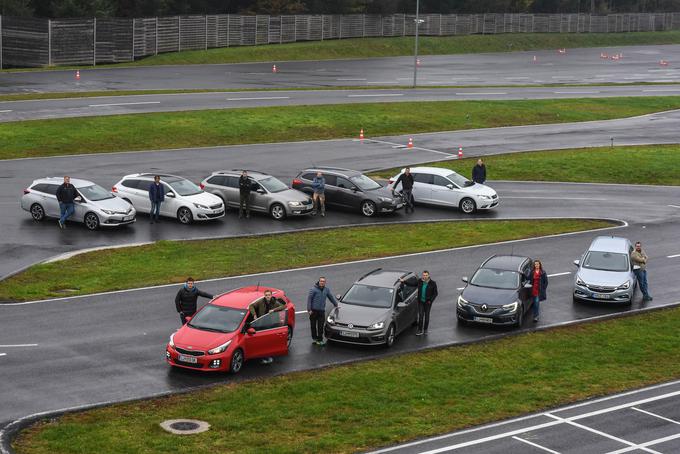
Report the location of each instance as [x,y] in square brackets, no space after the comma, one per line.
[381,192]
[489,296]
[204,198]
[113,204]
[480,189]
[195,339]
[359,315]
[292,195]
[604,278]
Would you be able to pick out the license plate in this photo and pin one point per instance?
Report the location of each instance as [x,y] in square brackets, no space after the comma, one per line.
[188,359]
[127,218]
[602,296]
[348,334]
[483,319]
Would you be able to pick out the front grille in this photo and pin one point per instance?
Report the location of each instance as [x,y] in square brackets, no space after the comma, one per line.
[189,352]
[214,215]
[353,340]
[353,325]
[192,365]
[478,309]
[599,289]
[214,207]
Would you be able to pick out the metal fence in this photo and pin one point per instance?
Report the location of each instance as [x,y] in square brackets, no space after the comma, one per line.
[26,42]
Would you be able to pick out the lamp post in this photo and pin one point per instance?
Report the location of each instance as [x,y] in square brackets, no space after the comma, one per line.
[415,56]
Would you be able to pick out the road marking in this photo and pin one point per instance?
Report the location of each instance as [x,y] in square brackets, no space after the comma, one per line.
[673,256]
[559,274]
[535,445]
[18,345]
[655,415]
[660,89]
[3,354]
[401,145]
[260,98]
[553,198]
[575,92]
[382,83]
[351,79]
[5,111]
[369,96]
[124,104]
[674,206]
[647,443]
[481,93]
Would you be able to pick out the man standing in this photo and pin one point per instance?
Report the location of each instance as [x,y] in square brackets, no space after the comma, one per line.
[66,196]
[479,172]
[157,196]
[319,196]
[185,301]
[427,292]
[406,180]
[244,186]
[316,307]
[639,258]
[263,307]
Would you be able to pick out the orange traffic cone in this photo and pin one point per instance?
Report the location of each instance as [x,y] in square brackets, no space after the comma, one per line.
[77,74]
[460,152]
[410,142]
[361,134]
[274,70]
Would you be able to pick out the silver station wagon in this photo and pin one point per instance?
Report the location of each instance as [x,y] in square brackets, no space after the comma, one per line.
[95,207]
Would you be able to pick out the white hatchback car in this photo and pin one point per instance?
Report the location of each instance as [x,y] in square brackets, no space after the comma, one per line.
[183,199]
[438,186]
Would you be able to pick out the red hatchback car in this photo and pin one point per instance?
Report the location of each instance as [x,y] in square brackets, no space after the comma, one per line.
[223,335]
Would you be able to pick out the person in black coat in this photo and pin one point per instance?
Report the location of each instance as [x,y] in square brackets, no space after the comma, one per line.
[185,301]
[427,293]
[244,187]
[66,196]
[479,172]
[406,180]
[156,196]
[539,286]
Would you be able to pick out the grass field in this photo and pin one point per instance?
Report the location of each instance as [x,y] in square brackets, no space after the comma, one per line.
[129,267]
[655,164]
[355,407]
[277,124]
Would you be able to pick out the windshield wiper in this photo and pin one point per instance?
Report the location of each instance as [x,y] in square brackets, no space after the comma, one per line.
[204,328]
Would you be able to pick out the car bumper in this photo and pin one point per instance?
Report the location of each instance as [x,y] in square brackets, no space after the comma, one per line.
[615,297]
[358,336]
[390,207]
[116,220]
[300,211]
[484,204]
[207,215]
[502,319]
[205,363]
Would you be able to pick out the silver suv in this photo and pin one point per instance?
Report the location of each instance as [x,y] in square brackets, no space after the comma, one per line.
[268,194]
[95,207]
[605,272]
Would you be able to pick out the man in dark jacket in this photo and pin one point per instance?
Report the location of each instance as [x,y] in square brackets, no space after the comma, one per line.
[316,307]
[319,195]
[157,196]
[185,301]
[66,196]
[244,186]
[262,307]
[406,180]
[479,172]
[427,293]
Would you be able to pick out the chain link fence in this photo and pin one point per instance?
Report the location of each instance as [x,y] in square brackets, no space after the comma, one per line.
[28,42]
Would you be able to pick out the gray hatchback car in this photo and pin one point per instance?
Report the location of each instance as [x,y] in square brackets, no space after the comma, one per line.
[268,194]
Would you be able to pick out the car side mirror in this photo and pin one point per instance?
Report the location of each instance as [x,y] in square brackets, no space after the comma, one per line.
[450,186]
[170,194]
[464,279]
[260,191]
[401,305]
[577,262]
[250,331]
[338,297]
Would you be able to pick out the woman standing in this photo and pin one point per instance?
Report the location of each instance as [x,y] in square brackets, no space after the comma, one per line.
[539,284]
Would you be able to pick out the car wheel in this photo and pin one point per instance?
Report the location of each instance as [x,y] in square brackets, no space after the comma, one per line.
[236,361]
[278,212]
[368,208]
[37,212]
[184,215]
[290,336]
[520,319]
[91,221]
[467,205]
[390,336]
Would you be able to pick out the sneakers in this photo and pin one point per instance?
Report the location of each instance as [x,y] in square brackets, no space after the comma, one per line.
[321,343]
[267,360]
[419,333]
[61,224]
[535,319]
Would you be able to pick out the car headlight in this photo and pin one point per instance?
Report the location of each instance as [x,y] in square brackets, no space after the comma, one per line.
[172,340]
[512,307]
[220,348]
[379,325]
[295,204]
[624,286]
[580,282]
[200,207]
[330,320]
[108,212]
[385,199]
[462,302]
[485,197]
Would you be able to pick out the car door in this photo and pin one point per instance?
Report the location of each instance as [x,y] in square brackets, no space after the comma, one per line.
[445,192]
[331,191]
[408,314]
[524,292]
[259,198]
[137,192]
[348,195]
[80,207]
[422,187]
[271,336]
[48,199]
[231,191]
[217,186]
[171,204]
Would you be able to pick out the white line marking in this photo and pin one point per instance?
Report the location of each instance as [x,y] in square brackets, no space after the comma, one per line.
[260,98]
[647,443]
[18,345]
[375,96]
[3,354]
[460,288]
[553,198]
[660,89]
[5,111]
[559,274]
[575,92]
[480,93]
[414,147]
[382,83]
[674,206]
[350,79]
[673,256]
[656,416]
[535,445]
[124,104]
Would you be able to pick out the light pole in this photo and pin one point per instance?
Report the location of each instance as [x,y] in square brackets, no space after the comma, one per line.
[415,56]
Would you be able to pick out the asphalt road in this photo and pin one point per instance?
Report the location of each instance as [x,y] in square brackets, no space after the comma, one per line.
[25,242]
[639,63]
[118,105]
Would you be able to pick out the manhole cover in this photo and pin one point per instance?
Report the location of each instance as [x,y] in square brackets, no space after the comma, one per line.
[185,426]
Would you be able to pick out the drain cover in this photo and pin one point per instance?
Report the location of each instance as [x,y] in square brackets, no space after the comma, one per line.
[185,426]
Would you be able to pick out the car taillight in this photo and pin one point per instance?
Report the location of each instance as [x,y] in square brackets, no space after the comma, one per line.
[27,191]
[296,181]
[202,186]
[114,189]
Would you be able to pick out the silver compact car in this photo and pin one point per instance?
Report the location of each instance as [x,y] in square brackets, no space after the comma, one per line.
[605,272]
[95,207]
[268,194]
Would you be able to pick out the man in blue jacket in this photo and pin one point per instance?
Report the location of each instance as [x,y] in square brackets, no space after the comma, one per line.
[319,196]
[157,196]
[316,307]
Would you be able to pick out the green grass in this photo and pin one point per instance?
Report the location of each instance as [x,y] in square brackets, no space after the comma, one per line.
[129,267]
[277,124]
[356,407]
[653,164]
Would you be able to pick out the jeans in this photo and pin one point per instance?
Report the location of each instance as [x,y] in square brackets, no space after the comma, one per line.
[408,199]
[536,307]
[67,210]
[317,320]
[641,276]
[320,199]
[244,204]
[155,210]
[423,315]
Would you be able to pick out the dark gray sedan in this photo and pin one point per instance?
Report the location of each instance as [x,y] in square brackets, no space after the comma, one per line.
[375,309]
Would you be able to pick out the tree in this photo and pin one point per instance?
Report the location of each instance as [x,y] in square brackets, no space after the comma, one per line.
[81,8]
[16,8]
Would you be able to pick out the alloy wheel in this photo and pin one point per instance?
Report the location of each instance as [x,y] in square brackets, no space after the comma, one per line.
[91,221]
[368,208]
[184,215]
[467,205]
[278,212]
[237,361]
[37,212]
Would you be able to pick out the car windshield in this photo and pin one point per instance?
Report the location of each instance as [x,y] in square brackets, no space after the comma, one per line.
[272,184]
[606,261]
[364,183]
[95,193]
[485,277]
[185,187]
[218,318]
[460,180]
[368,295]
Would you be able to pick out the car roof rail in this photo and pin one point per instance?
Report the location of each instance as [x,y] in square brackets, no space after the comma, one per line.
[333,168]
[488,258]
[368,274]
[249,171]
